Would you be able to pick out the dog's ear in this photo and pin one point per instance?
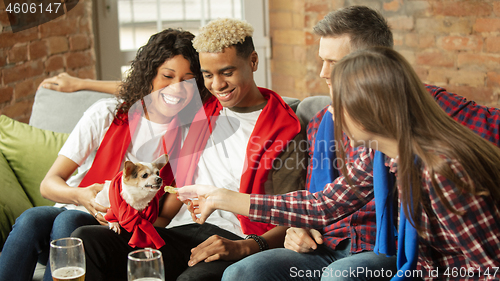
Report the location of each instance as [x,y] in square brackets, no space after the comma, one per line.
[129,169]
[161,161]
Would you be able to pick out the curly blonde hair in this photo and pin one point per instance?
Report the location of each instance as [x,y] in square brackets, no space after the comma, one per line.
[222,33]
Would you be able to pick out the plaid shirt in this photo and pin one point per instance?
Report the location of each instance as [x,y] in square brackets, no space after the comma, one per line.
[360,226]
[452,243]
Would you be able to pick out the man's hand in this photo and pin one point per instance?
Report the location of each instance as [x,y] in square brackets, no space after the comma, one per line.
[302,240]
[218,248]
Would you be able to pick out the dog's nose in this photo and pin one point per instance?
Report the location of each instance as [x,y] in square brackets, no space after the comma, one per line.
[158,180]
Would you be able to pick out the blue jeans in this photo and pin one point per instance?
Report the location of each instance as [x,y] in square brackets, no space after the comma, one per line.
[29,240]
[323,264]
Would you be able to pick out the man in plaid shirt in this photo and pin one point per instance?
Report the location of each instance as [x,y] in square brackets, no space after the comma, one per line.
[350,241]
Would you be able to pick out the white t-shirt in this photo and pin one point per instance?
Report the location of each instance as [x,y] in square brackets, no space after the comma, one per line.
[222,162]
[83,142]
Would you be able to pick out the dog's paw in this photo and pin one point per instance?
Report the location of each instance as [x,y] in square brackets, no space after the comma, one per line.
[114,226]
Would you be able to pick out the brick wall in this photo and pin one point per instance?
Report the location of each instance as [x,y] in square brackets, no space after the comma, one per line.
[452,43]
[29,56]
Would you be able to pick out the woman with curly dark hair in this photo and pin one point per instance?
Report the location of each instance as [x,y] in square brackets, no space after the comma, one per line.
[164,89]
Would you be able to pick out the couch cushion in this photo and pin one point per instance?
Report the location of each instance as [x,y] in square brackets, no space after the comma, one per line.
[13,200]
[30,152]
[310,106]
[292,102]
[58,111]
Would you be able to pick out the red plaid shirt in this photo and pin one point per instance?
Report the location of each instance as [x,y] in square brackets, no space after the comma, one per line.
[451,242]
[360,226]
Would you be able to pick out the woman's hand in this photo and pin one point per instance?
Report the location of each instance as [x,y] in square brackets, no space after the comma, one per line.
[62,83]
[200,200]
[86,198]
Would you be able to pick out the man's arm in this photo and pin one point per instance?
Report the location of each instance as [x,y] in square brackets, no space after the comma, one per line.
[66,83]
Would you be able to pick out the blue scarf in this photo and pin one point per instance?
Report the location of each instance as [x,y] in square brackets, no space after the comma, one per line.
[323,171]
[383,183]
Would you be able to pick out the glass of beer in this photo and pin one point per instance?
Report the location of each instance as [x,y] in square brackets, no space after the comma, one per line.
[67,259]
[145,265]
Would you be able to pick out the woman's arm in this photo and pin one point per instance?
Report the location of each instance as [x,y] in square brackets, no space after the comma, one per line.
[54,187]
[66,83]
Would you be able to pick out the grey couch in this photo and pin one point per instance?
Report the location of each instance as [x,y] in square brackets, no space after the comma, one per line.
[59,112]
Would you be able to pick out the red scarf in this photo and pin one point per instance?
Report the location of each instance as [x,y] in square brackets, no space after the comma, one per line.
[140,224]
[267,140]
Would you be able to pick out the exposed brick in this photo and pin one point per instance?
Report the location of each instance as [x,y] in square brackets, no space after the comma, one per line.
[461,8]
[463,43]
[292,68]
[299,53]
[58,44]
[468,78]
[444,25]
[298,20]
[408,55]
[435,59]
[3,60]
[422,72]
[291,37]
[282,52]
[286,5]
[79,10]
[38,49]
[61,26]
[417,8]
[316,6]
[480,95]
[6,94]
[87,73]
[392,6]
[317,86]
[479,61]
[496,8]
[79,42]
[282,83]
[411,40]
[78,59]
[18,53]
[401,22]
[487,25]
[54,63]
[18,109]
[311,39]
[426,41]
[24,89]
[493,44]
[493,79]
[20,72]
[398,38]
[280,20]
[8,39]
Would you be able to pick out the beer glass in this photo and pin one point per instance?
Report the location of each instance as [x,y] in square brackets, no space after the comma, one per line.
[145,265]
[67,259]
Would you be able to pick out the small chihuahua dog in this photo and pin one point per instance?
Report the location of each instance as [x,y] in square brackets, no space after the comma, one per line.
[140,183]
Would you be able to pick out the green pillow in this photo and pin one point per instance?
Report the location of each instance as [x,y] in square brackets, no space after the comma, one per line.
[13,201]
[30,152]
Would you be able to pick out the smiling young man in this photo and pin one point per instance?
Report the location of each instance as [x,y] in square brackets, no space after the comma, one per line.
[242,148]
